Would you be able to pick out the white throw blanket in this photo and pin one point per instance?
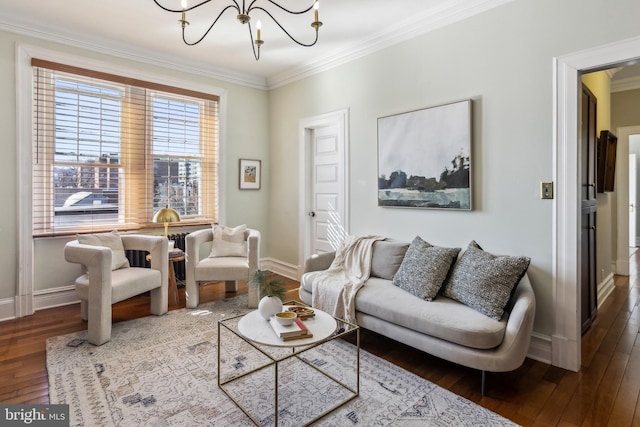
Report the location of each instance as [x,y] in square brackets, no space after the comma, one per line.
[335,289]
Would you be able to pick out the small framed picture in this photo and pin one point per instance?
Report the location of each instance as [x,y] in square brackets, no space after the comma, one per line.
[250,174]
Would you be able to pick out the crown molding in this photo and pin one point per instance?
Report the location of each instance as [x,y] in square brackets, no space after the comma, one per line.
[621,85]
[431,20]
[128,52]
[612,71]
[435,18]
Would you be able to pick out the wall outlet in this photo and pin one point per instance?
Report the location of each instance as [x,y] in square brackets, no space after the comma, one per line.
[546,190]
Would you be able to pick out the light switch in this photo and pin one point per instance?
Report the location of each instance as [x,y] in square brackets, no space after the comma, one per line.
[546,190]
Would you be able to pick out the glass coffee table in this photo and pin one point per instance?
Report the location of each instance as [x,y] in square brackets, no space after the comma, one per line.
[277,382]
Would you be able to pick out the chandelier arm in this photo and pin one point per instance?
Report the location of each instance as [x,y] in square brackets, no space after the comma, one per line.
[286,32]
[293,12]
[184,10]
[250,6]
[210,27]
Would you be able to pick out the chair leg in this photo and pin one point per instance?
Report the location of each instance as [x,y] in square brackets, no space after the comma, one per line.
[482,386]
[159,301]
[231,286]
[191,293]
[84,311]
[99,327]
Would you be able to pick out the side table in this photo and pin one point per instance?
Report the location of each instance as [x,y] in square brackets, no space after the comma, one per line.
[175,255]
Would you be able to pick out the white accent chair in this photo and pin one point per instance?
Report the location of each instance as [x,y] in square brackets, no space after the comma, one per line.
[100,287]
[201,268]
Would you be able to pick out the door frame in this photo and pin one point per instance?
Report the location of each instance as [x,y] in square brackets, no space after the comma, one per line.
[306,127]
[566,337]
[633,196]
[622,198]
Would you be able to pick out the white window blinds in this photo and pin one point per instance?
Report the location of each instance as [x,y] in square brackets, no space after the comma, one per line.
[109,151]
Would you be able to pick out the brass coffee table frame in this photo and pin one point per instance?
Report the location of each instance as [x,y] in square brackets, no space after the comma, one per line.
[344,329]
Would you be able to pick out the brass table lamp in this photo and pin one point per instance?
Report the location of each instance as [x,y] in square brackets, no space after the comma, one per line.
[166,215]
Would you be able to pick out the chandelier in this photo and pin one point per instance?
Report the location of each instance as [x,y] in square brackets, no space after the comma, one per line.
[243,15]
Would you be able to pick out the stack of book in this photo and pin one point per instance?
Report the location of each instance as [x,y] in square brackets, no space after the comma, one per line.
[296,330]
[175,253]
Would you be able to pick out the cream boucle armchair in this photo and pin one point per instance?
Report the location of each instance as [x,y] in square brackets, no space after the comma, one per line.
[203,268]
[101,285]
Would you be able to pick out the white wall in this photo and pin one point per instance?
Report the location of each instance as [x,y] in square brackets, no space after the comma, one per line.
[502,59]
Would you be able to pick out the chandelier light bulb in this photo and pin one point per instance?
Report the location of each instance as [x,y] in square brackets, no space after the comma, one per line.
[315,10]
[259,28]
[183,21]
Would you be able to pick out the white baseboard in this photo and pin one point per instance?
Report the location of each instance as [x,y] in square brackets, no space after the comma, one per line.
[49,298]
[284,269]
[7,309]
[604,289]
[540,348]
[56,297]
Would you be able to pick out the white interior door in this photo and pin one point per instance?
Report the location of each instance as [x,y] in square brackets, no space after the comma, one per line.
[323,210]
[632,199]
[327,209]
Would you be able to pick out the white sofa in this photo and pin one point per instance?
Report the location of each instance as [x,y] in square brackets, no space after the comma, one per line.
[443,327]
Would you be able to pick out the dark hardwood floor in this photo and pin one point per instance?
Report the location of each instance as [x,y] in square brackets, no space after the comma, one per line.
[604,393]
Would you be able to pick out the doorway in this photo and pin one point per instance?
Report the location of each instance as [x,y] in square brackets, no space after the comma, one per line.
[634,158]
[324,211]
[633,188]
[565,339]
[626,146]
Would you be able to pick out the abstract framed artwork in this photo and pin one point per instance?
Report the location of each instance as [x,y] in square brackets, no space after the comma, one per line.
[424,158]
[250,174]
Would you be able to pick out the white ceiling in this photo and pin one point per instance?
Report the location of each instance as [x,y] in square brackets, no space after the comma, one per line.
[140,29]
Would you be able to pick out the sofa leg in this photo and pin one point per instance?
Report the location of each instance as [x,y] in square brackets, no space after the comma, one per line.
[482,386]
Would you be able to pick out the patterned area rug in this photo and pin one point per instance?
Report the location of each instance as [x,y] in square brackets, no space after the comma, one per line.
[162,371]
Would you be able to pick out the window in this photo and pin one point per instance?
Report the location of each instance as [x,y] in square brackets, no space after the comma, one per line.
[110,151]
[177,160]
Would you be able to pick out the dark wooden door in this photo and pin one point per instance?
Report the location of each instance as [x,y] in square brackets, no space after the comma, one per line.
[588,204]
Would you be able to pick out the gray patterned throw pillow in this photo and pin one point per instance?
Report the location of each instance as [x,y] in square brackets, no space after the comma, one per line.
[484,281]
[424,269]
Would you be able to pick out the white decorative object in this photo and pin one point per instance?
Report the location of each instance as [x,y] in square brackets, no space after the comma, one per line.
[172,244]
[269,306]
